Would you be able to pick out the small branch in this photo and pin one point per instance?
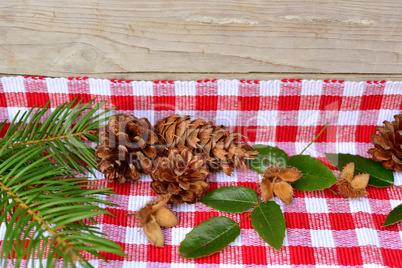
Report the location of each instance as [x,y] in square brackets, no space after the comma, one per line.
[248,214]
[332,191]
[46,139]
[319,134]
[35,217]
[397,186]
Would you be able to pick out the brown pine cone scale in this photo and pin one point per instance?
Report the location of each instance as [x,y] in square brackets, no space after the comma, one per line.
[127,149]
[219,147]
[181,174]
[388,144]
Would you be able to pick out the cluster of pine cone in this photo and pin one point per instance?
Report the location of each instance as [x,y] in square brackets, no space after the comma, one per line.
[178,153]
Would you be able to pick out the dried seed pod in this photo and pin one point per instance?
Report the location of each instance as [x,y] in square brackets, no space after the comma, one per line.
[352,186]
[154,233]
[166,218]
[346,189]
[160,202]
[267,190]
[360,181]
[348,171]
[144,214]
[154,215]
[290,174]
[284,191]
[277,181]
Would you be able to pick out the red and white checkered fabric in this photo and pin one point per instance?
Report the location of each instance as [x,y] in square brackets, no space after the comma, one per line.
[323,230]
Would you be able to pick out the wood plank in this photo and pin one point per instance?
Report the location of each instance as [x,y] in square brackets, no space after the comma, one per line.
[129,38]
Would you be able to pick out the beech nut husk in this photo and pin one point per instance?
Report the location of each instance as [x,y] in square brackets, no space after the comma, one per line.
[166,218]
[277,181]
[154,233]
[350,185]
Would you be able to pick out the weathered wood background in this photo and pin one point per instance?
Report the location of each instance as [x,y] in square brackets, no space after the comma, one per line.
[183,39]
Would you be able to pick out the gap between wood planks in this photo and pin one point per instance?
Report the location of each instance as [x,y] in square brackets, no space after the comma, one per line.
[220,75]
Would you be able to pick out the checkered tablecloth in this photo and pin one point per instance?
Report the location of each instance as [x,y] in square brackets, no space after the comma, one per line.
[323,230]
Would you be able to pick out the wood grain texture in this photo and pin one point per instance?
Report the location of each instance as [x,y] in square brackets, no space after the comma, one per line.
[182,38]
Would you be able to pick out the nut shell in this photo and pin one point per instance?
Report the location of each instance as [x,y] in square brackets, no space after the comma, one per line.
[166,218]
[154,233]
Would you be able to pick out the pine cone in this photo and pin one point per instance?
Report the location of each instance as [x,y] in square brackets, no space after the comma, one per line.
[219,147]
[127,149]
[388,145]
[180,174]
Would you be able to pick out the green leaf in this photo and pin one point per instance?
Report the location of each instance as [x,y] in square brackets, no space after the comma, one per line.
[316,175]
[379,175]
[231,199]
[267,219]
[394,216]
[267,156]
[209,237]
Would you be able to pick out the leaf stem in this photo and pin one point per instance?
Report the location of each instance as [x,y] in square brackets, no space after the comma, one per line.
[397,186]
[332,191]
[319,134]
[248,214]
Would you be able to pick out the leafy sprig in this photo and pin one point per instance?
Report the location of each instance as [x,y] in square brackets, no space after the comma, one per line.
[61,134]
[216,233]
[48,211]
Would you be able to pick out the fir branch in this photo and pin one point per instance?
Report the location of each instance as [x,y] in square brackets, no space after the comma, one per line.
[35,217]
[44,207]
[62,134]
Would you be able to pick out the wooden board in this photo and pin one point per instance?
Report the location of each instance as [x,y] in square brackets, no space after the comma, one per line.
[189,39]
